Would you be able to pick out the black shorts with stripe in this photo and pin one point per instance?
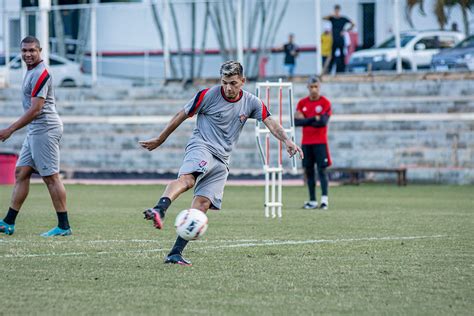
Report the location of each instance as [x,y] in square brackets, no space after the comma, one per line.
[316,154]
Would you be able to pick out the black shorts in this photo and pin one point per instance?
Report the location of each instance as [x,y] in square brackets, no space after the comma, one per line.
[316,154]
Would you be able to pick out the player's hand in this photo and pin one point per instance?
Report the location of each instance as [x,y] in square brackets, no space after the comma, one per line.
[151,143]
[5,134]
[293,149]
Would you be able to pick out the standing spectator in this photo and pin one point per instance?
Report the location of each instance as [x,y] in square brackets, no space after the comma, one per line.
[338,23]
[326,46]
[291,52]
[313,113]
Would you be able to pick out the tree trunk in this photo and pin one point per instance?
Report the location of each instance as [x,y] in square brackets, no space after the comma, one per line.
[159,28]
[178,40]
[203,41]
[193,40]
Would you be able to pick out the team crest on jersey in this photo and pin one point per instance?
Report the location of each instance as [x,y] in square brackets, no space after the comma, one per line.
[243,118]
[202,163]
[319,109]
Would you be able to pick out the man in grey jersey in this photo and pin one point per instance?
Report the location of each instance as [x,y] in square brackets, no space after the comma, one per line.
[221,114]
[40,150]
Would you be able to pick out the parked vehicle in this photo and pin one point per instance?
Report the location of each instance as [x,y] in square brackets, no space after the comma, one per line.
[459,57]
[65,72]
[416,50]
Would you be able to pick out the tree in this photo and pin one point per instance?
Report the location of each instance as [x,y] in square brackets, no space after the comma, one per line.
[441,9]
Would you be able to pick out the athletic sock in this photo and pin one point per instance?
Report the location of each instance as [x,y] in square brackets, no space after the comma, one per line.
[325,200]
[163,205]
[63,222]
[178,247]
[11,216]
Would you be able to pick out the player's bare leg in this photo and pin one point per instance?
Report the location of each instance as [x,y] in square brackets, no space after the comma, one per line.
[56,191]
[20,192]
[22,186]
[58,196]
[173,190]
[175,256]
[201,203]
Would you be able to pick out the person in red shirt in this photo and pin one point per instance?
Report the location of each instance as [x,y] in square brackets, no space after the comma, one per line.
[313,113]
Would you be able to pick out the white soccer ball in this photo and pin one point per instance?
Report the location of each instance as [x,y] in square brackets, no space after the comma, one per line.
[191,224]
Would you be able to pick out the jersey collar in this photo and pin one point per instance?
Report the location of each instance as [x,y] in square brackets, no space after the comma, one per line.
[229,100]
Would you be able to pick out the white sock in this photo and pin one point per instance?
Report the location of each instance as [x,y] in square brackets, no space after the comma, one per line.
[324,199]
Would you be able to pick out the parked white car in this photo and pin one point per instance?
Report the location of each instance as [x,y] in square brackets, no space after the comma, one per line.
[65,72]
[416,50]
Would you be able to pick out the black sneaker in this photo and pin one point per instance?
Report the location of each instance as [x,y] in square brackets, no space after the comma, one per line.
[178,259]
[324,206]
[156,215]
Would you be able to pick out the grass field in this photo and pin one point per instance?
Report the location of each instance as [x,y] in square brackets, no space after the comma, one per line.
[379,250]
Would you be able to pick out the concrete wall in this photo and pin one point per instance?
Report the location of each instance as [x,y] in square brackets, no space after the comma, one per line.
[424,124]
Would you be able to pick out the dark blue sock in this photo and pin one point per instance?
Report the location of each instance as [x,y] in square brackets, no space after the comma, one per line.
[11,216]
[63,222]
[178,247]
[163,205]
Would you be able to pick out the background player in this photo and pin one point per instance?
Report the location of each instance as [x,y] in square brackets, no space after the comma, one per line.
[313,113]
[40,150]
[221,114]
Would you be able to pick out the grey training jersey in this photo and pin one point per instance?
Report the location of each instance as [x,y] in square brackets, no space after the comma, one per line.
[220,120]
[38,83]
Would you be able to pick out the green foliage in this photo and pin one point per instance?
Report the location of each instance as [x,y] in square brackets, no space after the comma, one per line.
[379,250]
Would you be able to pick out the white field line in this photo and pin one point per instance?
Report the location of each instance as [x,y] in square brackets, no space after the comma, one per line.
[263,243]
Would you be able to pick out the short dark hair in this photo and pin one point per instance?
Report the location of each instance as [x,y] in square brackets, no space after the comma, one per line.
[31,39]
[232,68]
[314,79]
[337,7]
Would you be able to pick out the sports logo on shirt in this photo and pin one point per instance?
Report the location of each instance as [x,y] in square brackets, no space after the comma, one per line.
[243,118]
[319,109]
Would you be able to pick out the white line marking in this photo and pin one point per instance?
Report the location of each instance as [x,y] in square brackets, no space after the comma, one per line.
[241,245]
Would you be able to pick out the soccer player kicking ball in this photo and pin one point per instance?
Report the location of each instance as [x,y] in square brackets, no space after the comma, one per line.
[221,114]
[40,151]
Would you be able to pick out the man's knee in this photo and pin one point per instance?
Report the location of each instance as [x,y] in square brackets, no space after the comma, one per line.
[187,180]
[52,179]
[22,174]
[201,203]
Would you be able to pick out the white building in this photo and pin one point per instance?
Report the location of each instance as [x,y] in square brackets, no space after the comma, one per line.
[128,36]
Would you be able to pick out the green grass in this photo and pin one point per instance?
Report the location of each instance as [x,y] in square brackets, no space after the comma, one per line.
[113,262]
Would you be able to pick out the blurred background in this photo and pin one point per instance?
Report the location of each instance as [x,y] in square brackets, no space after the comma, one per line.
[402,98]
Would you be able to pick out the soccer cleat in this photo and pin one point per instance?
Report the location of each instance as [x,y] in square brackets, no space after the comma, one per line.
[156,215]
[310,205]
[56,231]
[324,206]
[6,228]
[178,259]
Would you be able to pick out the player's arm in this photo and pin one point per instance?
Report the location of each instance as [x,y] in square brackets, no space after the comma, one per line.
[321,120]
[327,17]
[281,135]
[173,124]
[300,120]
[27,117]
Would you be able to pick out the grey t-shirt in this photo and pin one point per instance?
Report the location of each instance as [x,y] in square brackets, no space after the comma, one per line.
[220,120]
[38,83]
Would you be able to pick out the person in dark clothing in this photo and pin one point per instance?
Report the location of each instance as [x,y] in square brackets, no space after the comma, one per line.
[291,52]
[338,23]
